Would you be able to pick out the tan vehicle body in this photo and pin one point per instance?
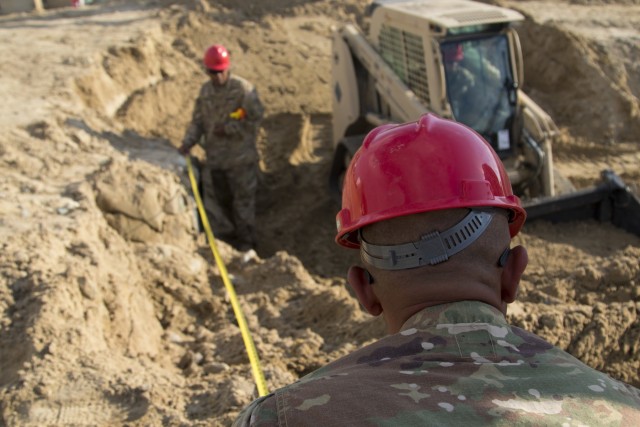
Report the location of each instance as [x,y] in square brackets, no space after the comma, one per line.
[397,73]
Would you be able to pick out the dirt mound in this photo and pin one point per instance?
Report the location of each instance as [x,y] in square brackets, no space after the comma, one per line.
[112,310]
[593,62]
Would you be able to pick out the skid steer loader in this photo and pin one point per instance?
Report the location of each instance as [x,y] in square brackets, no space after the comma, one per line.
[461,60]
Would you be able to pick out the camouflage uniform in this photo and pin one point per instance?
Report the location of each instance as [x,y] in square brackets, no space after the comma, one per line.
[453,364]
[229,175]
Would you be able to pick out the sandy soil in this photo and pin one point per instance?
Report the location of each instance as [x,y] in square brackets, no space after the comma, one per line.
[112,311]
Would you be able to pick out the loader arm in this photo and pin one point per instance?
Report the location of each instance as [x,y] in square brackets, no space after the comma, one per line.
[392,101]
[542,129]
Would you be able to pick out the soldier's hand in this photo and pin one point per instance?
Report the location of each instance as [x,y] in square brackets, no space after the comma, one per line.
[218,130]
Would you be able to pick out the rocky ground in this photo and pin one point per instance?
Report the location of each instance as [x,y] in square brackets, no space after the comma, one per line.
[112,310]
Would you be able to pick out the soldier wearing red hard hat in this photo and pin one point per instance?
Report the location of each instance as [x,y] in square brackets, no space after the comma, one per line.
[226,119]
[430,207]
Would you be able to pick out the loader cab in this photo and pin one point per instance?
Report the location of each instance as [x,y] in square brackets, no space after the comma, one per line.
[480,85]
[460,58]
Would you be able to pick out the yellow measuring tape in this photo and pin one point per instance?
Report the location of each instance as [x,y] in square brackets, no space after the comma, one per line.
[242,323]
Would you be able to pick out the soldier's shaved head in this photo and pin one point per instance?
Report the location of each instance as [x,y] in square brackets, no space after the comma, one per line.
[472,274]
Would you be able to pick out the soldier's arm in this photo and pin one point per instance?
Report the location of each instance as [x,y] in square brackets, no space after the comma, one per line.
[196,126]
[261,412]
[254,108]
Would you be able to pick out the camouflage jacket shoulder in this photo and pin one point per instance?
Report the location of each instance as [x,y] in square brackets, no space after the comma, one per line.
[452,364]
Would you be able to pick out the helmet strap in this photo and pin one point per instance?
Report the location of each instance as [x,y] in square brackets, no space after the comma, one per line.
[432,248]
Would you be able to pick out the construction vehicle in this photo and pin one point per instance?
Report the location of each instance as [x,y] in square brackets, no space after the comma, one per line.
[462,60]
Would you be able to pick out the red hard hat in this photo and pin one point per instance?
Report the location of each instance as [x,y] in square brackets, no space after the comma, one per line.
[216,58]
[429,165]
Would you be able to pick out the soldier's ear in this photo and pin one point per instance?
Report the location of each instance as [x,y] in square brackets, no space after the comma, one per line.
[512,271]
[359,280]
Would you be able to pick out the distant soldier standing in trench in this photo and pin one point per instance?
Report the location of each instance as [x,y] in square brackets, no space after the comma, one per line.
[227,114]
